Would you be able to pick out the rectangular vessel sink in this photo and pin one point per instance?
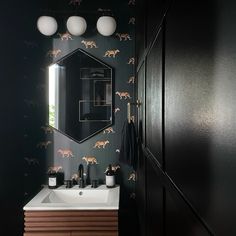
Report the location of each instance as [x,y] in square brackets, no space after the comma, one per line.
[76,198]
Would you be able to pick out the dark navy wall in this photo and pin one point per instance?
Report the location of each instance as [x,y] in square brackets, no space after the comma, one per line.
[24,60]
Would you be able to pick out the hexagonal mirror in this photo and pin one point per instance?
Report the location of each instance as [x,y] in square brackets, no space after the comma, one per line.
[80,95]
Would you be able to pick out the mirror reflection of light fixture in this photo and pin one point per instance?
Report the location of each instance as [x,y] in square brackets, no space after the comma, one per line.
[76,25]
[106,25]
[47,25]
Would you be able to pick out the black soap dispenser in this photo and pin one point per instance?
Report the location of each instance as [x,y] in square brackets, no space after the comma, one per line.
[110,177]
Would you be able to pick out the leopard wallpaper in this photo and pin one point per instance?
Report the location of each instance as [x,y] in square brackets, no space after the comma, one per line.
[45,148]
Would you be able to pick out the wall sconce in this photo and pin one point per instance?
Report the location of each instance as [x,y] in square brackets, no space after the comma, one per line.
[76,25]
[47,25]
[106,25]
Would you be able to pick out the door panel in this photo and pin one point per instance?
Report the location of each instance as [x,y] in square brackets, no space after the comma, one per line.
[154,100]
[154,202]
[180,220]
[189,99]
[200,108]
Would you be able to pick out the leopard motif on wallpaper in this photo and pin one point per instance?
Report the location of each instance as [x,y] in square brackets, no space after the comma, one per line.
[100,144]
[90,160]
[112,53]
[65,153]
[122,95]
[123,36]
[89,44]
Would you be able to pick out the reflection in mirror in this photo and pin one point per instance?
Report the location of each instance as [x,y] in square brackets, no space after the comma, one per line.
[80,95]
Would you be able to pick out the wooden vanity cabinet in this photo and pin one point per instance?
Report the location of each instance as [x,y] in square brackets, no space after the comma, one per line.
[71,223]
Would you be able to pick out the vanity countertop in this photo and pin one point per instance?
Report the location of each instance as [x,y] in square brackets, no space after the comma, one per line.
[75,198]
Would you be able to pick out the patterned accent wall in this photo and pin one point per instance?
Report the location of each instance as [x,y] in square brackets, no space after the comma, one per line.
[46,148]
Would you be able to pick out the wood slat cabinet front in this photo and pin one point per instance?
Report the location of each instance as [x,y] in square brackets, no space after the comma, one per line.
[71,223]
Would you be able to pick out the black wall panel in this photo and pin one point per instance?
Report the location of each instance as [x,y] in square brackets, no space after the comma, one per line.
[154,99]
[200,98]
[190,93]
[198,132]
[154,202]
[179,218]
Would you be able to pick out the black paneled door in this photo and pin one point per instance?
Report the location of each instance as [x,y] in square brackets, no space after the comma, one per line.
[186,82]
[200,108]
[149,185]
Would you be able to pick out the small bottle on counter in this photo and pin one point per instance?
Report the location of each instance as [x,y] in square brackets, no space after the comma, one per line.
[110,177]
[52,179]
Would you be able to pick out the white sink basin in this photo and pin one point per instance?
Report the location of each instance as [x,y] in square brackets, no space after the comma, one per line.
[76,198]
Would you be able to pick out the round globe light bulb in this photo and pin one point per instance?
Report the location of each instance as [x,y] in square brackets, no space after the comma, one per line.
[47,25]
[106,25]
[76,25]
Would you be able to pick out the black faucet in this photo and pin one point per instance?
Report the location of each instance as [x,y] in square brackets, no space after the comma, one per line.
[81,176]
